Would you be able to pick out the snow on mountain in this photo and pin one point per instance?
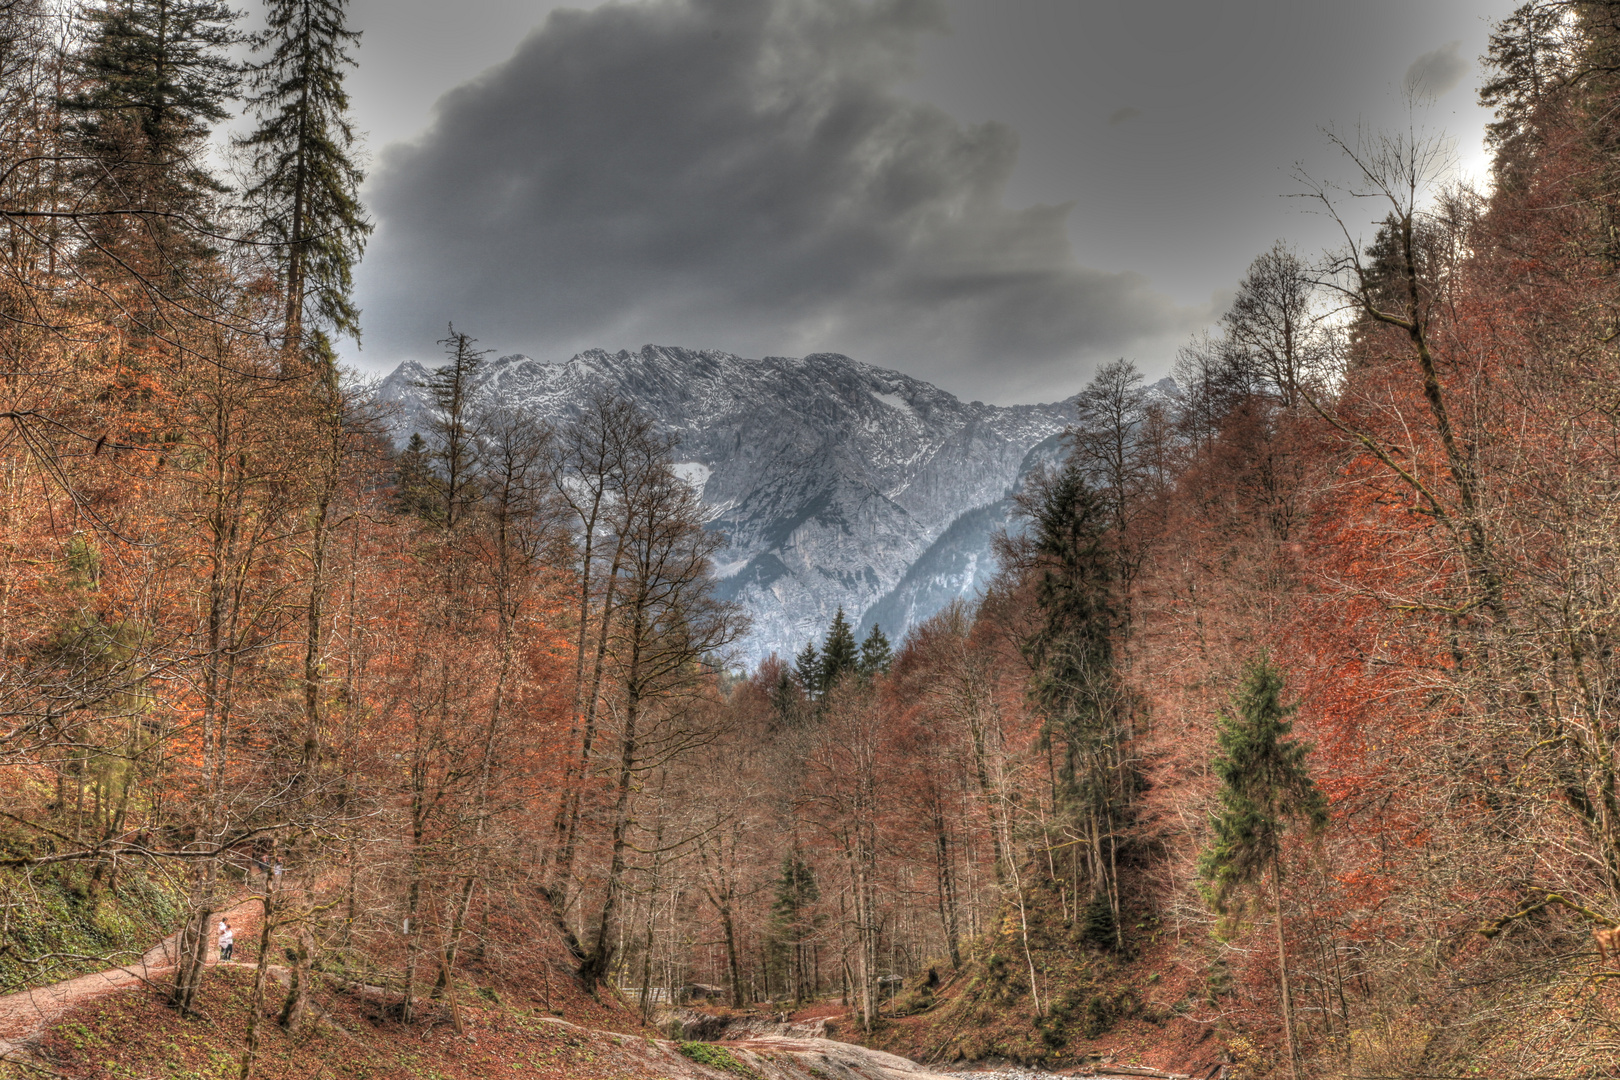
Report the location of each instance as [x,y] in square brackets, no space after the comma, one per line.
[830,478]
[959,564]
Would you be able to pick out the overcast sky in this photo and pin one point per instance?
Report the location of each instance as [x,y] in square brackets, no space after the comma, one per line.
[994,195]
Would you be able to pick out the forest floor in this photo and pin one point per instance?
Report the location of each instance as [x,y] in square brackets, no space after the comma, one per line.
[116,1025]
[1145,1011]
[530,1022]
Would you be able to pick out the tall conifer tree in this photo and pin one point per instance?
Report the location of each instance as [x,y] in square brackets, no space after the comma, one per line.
[305,180]
[305,185]
[413,478]
[155,76]
[793,921]
[876,653]
[455,427]
[1077,688]
[807,670]
[840,656]
[1264,784]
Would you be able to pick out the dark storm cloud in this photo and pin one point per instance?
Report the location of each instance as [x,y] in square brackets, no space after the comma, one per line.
[1437,71]
[740,174]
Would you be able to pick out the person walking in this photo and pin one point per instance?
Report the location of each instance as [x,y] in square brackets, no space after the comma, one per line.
[227,940]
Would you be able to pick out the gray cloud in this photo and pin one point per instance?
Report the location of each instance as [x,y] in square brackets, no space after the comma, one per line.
[1120,116]
[740,174]
[1437,71]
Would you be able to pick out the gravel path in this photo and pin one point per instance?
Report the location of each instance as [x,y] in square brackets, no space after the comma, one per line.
[25,1015]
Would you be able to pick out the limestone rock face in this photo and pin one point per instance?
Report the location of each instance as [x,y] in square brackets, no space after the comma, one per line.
[830,478]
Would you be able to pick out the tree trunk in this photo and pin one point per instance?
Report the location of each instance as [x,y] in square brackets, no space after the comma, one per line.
[413,905]
[569,823]
[297,1003]
[313,614]
[647,964]
[452,943]
[981,771]
[947,885]
[261,969]
[732,960]
[594,968]
[193,944]
[1282,972]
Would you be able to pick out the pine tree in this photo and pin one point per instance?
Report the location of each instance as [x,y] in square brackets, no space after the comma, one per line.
[876,654]
[1076,687]
[807,670]
[793,919]
[155,77]
[305,181]
[1264,785]
[413,479]
[786,699]
[840,656]
[1530,54]
[1072,649]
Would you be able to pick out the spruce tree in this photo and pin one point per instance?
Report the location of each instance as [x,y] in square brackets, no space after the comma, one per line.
[876,654]
[785,698]
[1264,786]
[840,656]
[158,68]
[1076,688]
[154,77]
[1531,53]
[413,479]
[807,670]
[305,182]
[1073,643]
[793,918]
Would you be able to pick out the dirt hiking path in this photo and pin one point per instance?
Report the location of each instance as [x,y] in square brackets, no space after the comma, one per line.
[25,1015]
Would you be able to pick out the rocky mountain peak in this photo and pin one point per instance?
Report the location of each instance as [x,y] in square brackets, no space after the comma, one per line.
[829,477]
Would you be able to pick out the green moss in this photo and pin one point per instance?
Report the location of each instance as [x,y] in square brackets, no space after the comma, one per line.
[80,924]
[716,1057]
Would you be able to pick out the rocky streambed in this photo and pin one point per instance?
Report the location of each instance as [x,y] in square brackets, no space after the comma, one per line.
[1104,1072]
[783,1049]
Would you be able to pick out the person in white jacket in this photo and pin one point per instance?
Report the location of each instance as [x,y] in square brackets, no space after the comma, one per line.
[227,940]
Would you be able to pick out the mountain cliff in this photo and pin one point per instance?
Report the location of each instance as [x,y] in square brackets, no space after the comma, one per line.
[830,478]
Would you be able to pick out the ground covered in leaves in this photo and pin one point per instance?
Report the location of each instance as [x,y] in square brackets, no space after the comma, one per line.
[134,1034]
[1095,1007]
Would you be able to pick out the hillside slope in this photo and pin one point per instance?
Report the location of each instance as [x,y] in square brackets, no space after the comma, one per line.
[526,1019]
[135,1035]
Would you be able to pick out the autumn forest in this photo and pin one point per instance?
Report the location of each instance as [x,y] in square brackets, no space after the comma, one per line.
[1290,714]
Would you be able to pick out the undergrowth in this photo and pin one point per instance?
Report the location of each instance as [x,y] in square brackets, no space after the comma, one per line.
[989,1012]
[716,1057]
[66,921]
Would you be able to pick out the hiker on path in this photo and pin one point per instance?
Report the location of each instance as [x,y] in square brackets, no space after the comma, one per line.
[227,940]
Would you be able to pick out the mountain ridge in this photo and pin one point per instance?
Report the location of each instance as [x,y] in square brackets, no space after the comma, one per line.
[830,477]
